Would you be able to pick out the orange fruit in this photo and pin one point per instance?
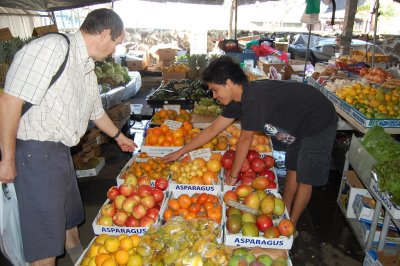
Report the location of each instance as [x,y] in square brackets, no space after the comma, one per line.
[121,257]
[135,240]
[101,238]
[109,262]
[135,259]
[126,243]
[164,129]
[184,201]
[168,213]
[196,180]
[165,143]
[190,216]
[216,156]
[179,141]
[210,178]
[208,205]
[183,212]
[214,214]
[187,126]
[169,137]
[161,138]
[143,155]
[178,133]
[195,208]
[202,198]
[152,139]
[214,165]
[174,204]
[199,162]
[163,113]
[157,131]
[111,244]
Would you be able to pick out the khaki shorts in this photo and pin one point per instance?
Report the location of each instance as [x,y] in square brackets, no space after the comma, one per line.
[48,197]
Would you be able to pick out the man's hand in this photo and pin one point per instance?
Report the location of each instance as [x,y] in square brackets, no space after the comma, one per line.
[7,171]
[126,144]
[173,156]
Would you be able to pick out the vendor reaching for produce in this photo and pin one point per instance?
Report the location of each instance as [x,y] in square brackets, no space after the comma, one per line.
[295,113]
[35,145]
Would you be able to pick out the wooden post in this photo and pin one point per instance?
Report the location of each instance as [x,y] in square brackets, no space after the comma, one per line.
[345,40]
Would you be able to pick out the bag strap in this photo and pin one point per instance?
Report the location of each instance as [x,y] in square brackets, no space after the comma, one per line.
[28,105]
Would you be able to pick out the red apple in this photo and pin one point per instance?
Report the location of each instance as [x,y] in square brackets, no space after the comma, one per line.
[247,180]
[227,162]
[158,195]
[263,222]
[105,221]
[230,153]
[143,180]
[148,201]
[120,218]
[128,204]
[144,190]
[230,195]
[269,161]
[286,227]
[257,165]
[161,183]
[272,232]
[131,180]
[132,222]
[112,193]
[153,213]
[126,175]
[126,189]
[251,154]
[146,221]
[268,173]
[139,211]
[118,201]
[271,185]
[108,210]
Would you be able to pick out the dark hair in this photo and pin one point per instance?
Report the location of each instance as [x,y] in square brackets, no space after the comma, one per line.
[222,69]
[103,19]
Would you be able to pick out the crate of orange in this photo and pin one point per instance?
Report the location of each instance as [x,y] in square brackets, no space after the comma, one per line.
[163,114]
[192,205]
[161,140]
[198,175]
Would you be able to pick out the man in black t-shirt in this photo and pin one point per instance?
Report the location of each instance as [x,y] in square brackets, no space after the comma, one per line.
[295,113]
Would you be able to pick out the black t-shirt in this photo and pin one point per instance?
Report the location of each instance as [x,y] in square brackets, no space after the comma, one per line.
[286,110]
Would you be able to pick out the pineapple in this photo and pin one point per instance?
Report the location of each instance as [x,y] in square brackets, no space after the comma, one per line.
[3,64]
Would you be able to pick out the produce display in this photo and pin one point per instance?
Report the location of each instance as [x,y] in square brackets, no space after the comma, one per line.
[197,171]
[370,101]
[254,169]
[153,168]
[163,114]
[179,90]
[386,151]
[164,136]
[182,68]
[131,206]
[207,106]
[197,205]
[245,256]
[260,143]
[112,73]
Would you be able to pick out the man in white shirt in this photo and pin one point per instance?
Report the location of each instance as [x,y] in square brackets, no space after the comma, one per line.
[35,146]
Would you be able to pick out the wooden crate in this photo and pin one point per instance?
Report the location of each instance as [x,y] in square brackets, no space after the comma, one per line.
[361,56]
[5,34]
[40,31]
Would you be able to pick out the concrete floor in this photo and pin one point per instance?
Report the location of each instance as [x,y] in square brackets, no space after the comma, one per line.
[324,235]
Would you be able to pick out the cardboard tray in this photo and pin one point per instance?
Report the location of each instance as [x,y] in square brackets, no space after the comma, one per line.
[92,172]
[239,240]
[354,113]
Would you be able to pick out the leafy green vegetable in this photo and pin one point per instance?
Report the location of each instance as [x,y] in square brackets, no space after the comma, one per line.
[389,178]
[386,151]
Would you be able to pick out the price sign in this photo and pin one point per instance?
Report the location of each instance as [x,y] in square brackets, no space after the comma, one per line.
[201,153]
[173,125]
[241,207]
[175,107]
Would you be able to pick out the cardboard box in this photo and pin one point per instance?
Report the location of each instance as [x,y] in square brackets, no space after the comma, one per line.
[166,54]
[282,46]
[40,31]
[351,186]
[92,172]
[381,258]
[137,60]
[5,34]
[164,63]
[280,67]
[392,238]
[364,209]
[173,75]
[384,198]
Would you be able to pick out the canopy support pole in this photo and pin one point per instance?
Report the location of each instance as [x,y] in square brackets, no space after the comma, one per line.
[376,10]
[307,51]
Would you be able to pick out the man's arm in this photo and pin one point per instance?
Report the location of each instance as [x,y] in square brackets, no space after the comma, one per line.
[105,124]
[203,137]
[242,148]
[10,114]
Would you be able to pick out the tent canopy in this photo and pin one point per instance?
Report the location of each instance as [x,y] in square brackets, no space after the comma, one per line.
[55,5]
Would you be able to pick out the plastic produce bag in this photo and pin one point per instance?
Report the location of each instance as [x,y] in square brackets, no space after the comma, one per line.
[10,232]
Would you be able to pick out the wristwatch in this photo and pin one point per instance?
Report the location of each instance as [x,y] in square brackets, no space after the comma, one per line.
[117,135]
[234,177]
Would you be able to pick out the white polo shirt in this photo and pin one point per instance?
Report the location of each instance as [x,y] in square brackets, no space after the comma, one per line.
[60,113]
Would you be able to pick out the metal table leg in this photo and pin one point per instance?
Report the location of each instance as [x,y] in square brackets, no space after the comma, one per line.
[385,228]
[372,230]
